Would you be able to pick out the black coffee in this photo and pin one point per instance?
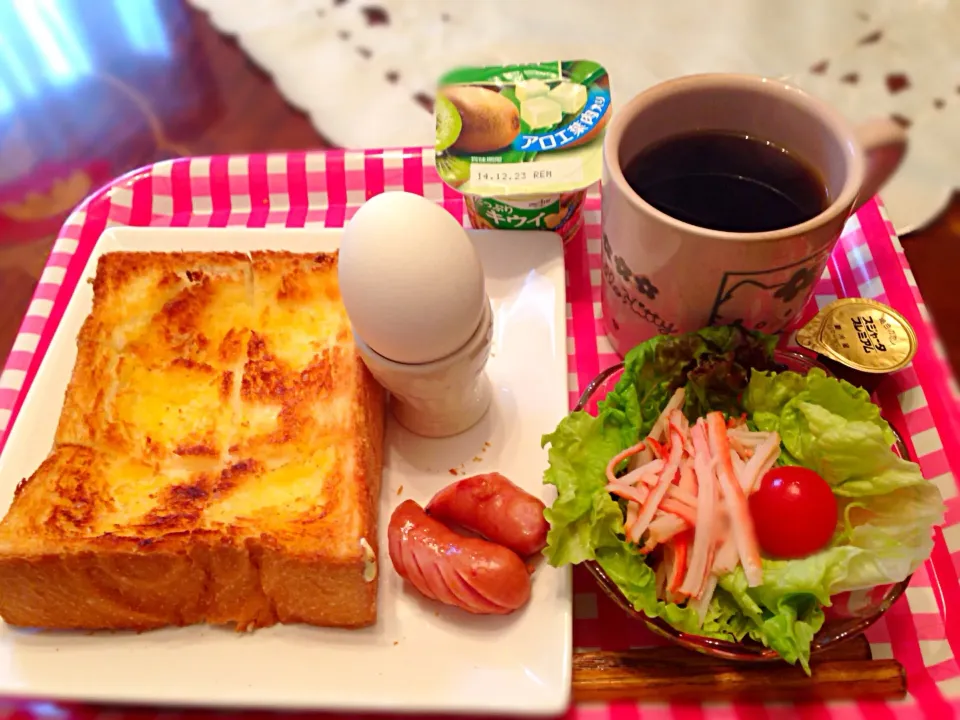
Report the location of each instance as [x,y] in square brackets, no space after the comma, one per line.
[726,181]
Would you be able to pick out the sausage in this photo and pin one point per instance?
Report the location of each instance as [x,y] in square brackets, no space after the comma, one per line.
[493,507]
[473,574]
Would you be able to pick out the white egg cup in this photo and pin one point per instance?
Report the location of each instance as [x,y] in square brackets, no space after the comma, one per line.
[440,398]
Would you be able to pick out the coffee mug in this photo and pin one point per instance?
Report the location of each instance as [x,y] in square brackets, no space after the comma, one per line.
[664,275]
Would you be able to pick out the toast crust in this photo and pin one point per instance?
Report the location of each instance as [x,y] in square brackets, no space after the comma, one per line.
[217,460]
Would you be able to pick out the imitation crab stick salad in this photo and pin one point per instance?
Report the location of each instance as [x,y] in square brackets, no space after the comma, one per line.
[734,498]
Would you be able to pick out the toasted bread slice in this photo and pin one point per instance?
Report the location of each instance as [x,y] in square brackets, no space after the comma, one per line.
[217,460]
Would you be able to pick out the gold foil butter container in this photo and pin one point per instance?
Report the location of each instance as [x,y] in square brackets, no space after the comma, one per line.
[862,334]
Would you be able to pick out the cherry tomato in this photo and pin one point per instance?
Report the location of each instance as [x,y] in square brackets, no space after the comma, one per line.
[794,512]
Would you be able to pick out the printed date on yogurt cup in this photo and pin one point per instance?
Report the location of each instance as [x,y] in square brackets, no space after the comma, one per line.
[523,142]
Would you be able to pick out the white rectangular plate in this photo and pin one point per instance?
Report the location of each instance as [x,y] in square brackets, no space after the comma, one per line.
[420,656]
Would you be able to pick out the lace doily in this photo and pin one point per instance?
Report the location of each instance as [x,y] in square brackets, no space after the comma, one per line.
[364,70]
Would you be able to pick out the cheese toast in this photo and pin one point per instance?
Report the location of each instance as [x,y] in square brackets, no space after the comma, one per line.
[217,459]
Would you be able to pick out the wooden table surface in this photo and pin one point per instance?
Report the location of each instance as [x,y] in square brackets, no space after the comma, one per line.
[122,90]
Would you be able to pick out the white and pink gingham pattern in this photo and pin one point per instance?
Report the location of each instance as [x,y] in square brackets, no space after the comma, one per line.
[325,188]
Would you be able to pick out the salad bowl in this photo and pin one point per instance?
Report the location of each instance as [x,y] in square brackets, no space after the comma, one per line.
[850,614]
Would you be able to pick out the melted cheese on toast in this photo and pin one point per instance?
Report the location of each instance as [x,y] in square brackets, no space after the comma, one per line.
[213,393]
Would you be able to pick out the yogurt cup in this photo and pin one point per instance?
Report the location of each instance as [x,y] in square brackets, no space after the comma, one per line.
[522,143]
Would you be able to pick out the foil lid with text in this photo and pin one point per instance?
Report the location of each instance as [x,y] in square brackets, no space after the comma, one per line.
[862,334]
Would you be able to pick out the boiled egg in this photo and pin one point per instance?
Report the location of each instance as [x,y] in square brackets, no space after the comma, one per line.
[410,278]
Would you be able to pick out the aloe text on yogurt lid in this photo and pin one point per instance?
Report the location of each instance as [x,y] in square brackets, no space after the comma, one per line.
[523,142]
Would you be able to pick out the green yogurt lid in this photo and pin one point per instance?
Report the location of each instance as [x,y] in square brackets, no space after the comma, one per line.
[530,129]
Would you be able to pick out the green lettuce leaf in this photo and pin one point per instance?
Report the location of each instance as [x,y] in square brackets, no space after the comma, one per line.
[886,507]
[583,518]
[586,523]
[712,364]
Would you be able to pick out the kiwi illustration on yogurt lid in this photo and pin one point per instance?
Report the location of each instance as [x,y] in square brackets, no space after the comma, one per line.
[525,130]
[449,123]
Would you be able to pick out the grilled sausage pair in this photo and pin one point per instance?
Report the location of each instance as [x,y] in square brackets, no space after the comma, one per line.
[483,576]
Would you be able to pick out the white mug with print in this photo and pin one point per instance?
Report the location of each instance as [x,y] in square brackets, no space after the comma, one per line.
[663,276]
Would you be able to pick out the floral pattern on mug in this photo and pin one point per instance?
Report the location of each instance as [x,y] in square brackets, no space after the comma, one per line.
[619,281]
[645,286]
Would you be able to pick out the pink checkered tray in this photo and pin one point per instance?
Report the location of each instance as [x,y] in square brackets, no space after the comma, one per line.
[300,189]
